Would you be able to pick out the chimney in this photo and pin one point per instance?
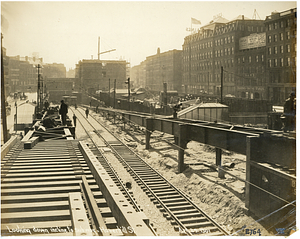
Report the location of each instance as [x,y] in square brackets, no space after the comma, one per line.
[242,17]
[158,50]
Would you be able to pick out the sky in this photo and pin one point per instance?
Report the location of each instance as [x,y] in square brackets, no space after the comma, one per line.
[67,31]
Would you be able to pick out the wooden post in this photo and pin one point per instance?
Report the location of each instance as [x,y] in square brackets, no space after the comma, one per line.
[218,156]
[182,142]
[149,129]
[221,173]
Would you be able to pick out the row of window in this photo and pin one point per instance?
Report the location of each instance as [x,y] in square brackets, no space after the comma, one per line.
[218,53]
[226,40]
[274,38]
[249,59]
[281,24]
[209,44]
[280,62]
[274,50]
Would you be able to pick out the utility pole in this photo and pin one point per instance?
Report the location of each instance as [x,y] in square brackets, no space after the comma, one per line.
[128,82]
[165,98]
[3,105]
[221,84]
[39,100]
[109,91]
[115,86]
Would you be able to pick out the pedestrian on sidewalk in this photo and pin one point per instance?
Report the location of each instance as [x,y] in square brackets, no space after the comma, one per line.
[87,112]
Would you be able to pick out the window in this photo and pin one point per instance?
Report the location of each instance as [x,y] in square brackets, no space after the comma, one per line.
[275,49]
[229,51]
[232,39]
[275,38]
[249,59]
[269,50]
[232,50]
[275,25]
[256,58]
[275,63]
[281,49]
[269,62]
[269,38]
[288,61]
[281,62]
[288,48]
[281,36]
[288,35]
[225,51]
[228,39]
[270,27]
[221,41]
[281,24]
[225,40]
[239,60]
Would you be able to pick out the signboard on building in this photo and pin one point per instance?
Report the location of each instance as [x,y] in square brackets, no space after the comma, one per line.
[253,41]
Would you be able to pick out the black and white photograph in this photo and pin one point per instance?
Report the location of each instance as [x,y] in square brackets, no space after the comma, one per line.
[148,118]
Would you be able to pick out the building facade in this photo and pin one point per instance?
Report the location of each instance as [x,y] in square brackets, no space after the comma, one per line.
[54,70]
[138,75]
[162,68]
[22,73]
[96,75]
[256,59]
[281,30]
[214,53]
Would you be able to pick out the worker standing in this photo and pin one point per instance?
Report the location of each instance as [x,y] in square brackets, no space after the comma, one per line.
[290,113]
[63,111]
[74,120]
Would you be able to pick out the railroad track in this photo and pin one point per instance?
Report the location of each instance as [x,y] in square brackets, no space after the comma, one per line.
[37,185]
[186,216]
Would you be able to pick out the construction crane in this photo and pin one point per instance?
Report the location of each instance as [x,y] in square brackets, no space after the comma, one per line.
[99,53]
[255,14]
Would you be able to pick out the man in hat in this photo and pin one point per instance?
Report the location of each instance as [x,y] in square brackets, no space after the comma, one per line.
[63,111]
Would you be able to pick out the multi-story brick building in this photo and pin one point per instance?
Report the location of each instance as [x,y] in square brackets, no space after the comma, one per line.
[54,70]
[164,67]
[216,45]
[138,75]
[258,57]
[281,30]
[95,74]
[22,73]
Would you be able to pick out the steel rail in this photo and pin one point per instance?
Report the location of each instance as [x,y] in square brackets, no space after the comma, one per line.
[178,221]
[108,167]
